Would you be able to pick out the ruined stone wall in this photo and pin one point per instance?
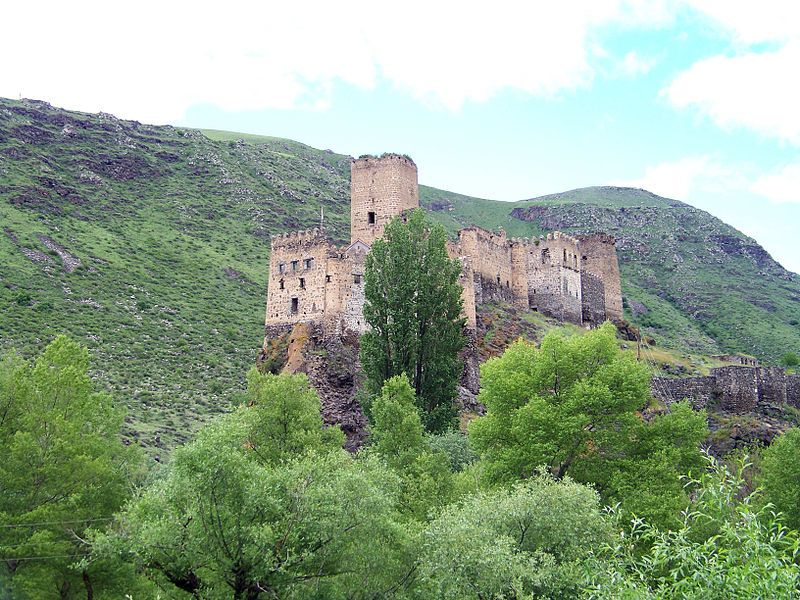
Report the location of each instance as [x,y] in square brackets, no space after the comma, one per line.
[793,390]
[554,281]
[698,390]
[380,189]
[598,256]
[490,256]
[593,299]
[296,285]
[521,252]
[737,388]
[771,385]
[738,359]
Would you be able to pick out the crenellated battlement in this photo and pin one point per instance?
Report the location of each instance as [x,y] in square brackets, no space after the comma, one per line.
[295,237]
[571,278]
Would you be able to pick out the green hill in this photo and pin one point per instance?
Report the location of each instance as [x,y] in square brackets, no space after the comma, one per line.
[151,245]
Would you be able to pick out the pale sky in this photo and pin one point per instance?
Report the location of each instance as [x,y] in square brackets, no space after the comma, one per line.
[697,100]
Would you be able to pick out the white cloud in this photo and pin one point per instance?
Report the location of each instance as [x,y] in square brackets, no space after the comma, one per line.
[634,64]
[750,86]
[681,178]
[783,185]
[759,91]
[752,22]
[153,60]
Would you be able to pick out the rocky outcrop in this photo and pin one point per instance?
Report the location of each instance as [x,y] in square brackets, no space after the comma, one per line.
[332,367]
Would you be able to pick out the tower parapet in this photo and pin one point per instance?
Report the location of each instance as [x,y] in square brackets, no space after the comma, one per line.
[381,188]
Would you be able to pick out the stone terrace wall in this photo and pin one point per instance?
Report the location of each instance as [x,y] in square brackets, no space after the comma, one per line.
[698,390]
[737,389]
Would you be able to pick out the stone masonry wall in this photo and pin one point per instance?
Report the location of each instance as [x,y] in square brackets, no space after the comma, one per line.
[598,256]
[698,390]
[793,390]
[380,189]
[737,389]
[593,299]
[296,286]
[490,257]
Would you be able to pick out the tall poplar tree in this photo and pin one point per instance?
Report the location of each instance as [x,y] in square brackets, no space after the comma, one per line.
[413,307]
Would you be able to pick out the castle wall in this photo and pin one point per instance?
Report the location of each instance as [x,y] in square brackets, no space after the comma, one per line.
[296,286]
[593,298]
[554,280]
[380,189]
[490,257]
[737,388]
[598,256]
[698,390]
[793,390]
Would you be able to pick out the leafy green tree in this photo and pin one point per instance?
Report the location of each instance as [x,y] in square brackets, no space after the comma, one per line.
[413,307]
[64,471]
[790,359]
[780,475]
[724,547]
[235,515]
[573,406]
[520,542]
[398,437]
[285,419]
[455,446]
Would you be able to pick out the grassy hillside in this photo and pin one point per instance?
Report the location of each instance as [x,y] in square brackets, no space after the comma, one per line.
[151,245]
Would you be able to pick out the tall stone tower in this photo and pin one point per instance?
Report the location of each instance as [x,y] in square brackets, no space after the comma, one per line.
[380,189]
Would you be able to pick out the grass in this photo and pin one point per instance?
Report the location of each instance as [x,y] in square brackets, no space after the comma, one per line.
[172,229]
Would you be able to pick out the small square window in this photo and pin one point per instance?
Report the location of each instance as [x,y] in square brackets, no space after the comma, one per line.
[307,263]
[282,268]
[356,278]
[302,283]
[295,306]
[282,285]
[327,278]
[294,265]
[371,218]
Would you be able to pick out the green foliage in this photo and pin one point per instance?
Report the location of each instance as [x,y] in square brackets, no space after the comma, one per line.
[64,471]
[525,541]
[780,475]
[398,437]
[724,548]
[455,446]
[145,218]
[251,510]
[572,405]
[413,306]
[790,359]
[284,420]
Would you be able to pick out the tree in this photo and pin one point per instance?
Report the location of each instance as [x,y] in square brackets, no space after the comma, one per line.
[724,547]
[285,420]
[780,475]
[525,541]
[573,406]
[249,510]
[398,437]
[790,359]
[64,470]
[413,307]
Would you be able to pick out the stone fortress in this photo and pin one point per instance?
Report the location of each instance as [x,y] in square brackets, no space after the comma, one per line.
[311,280]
